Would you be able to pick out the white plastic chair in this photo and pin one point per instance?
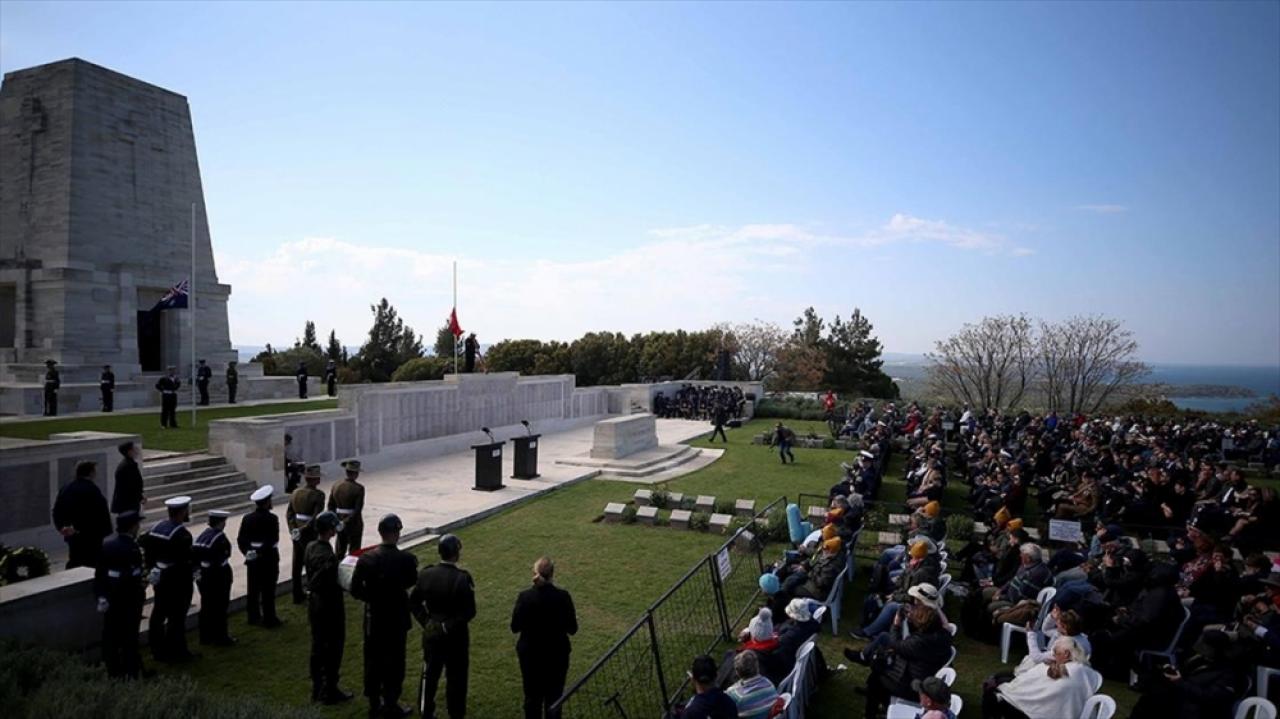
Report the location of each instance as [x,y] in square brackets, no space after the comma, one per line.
[1099,706]
[834,599]
[800,679]
[947,675]
[1169,651]
[956,704]
[1007,631]
[1264,678]
[787,707]
[952,659]
[943,582]
[1262,709]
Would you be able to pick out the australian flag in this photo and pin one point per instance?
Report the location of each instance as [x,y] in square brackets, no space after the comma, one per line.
[175,298]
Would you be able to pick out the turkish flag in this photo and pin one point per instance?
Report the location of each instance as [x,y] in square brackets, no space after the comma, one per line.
[454,327]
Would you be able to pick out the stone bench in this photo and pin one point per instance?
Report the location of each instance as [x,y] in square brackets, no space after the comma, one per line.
[613,511]
[647,515]
[680,518]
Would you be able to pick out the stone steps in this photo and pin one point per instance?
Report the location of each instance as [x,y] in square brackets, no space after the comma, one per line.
[649,469]
[210,481]
[202,487]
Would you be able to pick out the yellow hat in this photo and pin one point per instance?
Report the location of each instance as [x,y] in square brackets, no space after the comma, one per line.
[932,509]
[918,550]
[1002,516]
[828,532]
[1015,524]
[833,545]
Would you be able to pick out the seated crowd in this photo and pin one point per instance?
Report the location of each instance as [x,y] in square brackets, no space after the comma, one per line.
[700,402]
[1167,589]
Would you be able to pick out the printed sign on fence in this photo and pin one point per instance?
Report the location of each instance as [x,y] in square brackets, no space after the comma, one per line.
[724,564]
[1061,530]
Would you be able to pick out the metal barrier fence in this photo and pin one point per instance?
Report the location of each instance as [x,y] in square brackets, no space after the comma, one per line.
[643,675]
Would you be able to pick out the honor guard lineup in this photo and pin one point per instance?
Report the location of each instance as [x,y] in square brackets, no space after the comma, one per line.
[385,578]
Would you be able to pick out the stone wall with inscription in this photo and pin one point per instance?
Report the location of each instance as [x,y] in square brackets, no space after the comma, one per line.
[622,436]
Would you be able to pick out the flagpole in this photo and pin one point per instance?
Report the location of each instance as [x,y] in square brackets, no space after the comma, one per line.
[191,298]
[455,314]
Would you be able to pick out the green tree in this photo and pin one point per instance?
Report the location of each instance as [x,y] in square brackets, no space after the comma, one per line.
[335,351]
[514,356]
[601,358]
[308,337]
[853,358]
[419,369]
[390,344]
[808,329]
[444,344]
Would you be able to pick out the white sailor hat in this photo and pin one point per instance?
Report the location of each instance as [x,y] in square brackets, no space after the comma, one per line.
[261,493]
[1005,453]
[177,502]
[868,455]
[219,514]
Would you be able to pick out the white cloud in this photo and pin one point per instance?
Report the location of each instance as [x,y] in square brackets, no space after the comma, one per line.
[681,277]
[1103,209]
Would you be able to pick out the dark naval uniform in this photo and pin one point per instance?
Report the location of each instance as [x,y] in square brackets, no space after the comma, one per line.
[107,384]
[120,583]
[52,381]
[328,618]
[331,379]
[168,553]
[212,551]
[203,375]
[127,496]
[168,387]
[80,505]
[544,617]
[259,540]
[233,379]
[444,601]
[304,505]
[346,499]
[301,376]
[381,580]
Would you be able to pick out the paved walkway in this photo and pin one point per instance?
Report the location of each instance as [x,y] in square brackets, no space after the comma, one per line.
[432,496]
[182,407]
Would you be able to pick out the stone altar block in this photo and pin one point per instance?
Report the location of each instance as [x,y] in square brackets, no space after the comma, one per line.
[623,436]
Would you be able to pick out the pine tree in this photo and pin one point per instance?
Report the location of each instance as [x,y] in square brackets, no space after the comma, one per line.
[386,347]
[309,337]
[444,343]
[853,358]
[335,350]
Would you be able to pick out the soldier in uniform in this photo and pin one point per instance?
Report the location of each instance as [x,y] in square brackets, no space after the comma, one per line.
[168,386]
[346,499]
[301,376]
[80,515]
[212,553]
[121,591]
[331,378]
[305,504]
[107,383]
[259,540]
[204,373]
[168,553]
[233,379]
[52,381]
[326,613]
[471,350]
[382,578]
[544,618]
[128,492]
[444,601]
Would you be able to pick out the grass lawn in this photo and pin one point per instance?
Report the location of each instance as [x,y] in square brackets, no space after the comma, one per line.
[185,438]
[614,572]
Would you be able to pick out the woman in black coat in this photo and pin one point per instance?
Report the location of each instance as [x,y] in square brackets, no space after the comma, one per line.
[921,654]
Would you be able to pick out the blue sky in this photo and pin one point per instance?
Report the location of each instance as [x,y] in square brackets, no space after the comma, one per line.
[638,167]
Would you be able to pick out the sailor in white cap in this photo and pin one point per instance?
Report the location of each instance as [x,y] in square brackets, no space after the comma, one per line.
[305,504]
[212,553]
[259,540]
[168,553]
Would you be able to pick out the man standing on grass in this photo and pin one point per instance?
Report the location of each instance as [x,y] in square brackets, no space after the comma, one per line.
[326,613]
[444,602]
[212,553]
[544,618]
[346,499]
[121,591]
[168,386]
[259,542]
[128,492]
[80,515]
[382,578]
[168,554]
[305,504]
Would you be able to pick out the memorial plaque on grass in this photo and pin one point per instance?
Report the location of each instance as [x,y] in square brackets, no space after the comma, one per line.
[720,522]
[643,497]
[745,507]
[647,515]
[705,503]
[613,511]
[680,518]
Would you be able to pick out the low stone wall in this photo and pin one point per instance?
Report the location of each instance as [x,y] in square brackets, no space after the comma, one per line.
[624,436]
[33,471]
[642,395]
